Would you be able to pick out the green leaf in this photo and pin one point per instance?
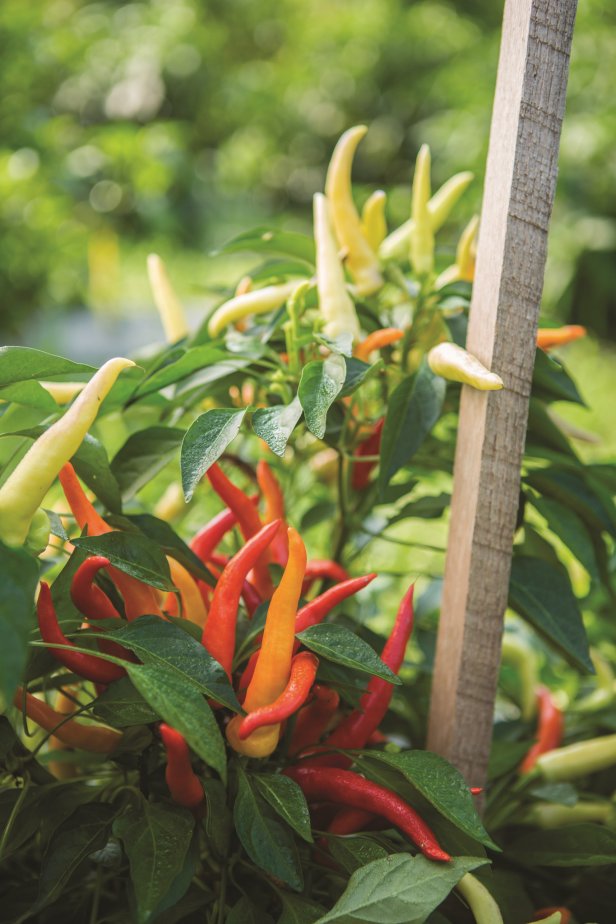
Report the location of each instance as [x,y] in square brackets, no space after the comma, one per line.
[575,845]
[267,842]
[442,785]
[92,465]
[218,820]
[319,386]
[288,801]
[131,553]
[182,706]
[189,362]
[144,455]
[84,831]
[542,594]
[399,889]
[354,852]
[205,442]
[271,240]
[30,394]
[558,793]
[19,364]
[18,578]
[276,424]
[344,647]
[296,910]
[164,535]
[569,528]
[156,838]
[426,508]
[414,407]
[357,373]
[551,381]
[121,705]
[572,491]
[244,912]
[157,642]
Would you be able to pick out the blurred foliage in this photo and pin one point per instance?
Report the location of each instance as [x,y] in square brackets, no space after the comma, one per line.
[180,121]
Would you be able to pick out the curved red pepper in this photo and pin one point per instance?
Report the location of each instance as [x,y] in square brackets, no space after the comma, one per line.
[347,788]
[350,820]
[248,520]
[322,569]
[86,595]
[274,510]
[303,671]
[184,784]
[550,729]
[355,730]
[360,476]
[87,666]
[219,629]
[312,721]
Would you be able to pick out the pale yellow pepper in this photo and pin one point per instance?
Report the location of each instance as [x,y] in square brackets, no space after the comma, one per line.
[360,258]
[463,270]
[167,303]
[257,301]
[335,303]
[458,365]
[421,238]
[373,223]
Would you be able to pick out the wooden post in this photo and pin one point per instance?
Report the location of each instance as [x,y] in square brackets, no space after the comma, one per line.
[519,190]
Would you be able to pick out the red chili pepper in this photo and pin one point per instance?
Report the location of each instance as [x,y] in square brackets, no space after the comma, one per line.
[549,731]
[348,788]
[184,784]
[319,569]
[312,721]
[90,667]
[248,519]
[219,630]
[251,598]
[274,510]
[313,613]
[354,731]
[139,598]
[207,539]
[360,476]
[303,671]
[95,604]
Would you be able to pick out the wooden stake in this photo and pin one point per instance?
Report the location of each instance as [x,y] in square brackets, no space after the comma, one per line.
[519,191]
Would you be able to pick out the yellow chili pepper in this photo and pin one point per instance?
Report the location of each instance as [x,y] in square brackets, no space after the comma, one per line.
[360,257]
[63,392]
[273,666]
[480,900]
[258,301]
[22,493]
[577,759]
[421,238]
[373,223]
[167,303]
[464,267]
[335,303]
[457,365]
[548,815]
[440,205]
[193,607]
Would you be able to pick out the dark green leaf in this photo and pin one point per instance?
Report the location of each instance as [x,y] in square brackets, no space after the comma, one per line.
[267,842]
[344,647]
[165,536]
[572,491]
[354,852]
[413,409]
[576,845]
[131,553]
[426,508]
[157,642]
[442,785]
[271,240]
[83,832]
[358,372]
[276,424]
[121,705]
[569,528]
[542,594]
[92,465]
[156,838]
[551,381]
[558,793]
[244,912]
[296,910]
[287,800]
[218,820]
[319,386]
[18,578]
[543,431]
[399,889]
[181,705]
[19,364]
[143,455]
[205,442]
[193,360]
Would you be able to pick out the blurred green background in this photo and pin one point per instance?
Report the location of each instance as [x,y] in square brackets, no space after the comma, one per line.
[170,125]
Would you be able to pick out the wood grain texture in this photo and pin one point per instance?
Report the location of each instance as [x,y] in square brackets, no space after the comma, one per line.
[519,189]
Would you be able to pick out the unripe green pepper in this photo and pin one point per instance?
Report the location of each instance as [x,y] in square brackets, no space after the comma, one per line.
[578,759]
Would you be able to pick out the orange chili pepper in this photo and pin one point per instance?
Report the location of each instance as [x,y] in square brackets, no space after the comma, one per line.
[274,663]
[550,337]
[274,510]
[377,340]
[549,731]
[94,738]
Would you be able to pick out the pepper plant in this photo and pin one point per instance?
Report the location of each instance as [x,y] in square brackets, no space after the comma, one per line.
[214,695]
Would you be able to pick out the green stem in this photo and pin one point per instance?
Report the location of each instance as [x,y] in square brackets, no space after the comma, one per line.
[13,816]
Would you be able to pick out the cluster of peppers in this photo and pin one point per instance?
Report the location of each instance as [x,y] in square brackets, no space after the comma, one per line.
[279,682]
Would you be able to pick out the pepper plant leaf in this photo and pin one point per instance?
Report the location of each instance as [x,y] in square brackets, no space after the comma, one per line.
[414,407]
[287,800]
[276,424]
[21,364]
[132,553]
[573,846]
[319,387]
[335,643]
[143,455]
[204,443]
[552,382]
[271,240]
[18,578]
